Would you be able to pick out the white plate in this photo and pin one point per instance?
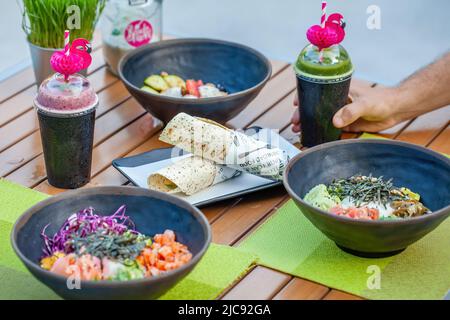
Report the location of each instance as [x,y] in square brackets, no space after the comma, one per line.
[139,167]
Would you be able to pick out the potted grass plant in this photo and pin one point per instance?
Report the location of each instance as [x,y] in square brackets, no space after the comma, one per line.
[44,22]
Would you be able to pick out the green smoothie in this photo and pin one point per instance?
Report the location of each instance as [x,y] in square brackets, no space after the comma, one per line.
[323,82]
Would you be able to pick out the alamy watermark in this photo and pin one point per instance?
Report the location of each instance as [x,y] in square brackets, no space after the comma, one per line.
[374,280]
[74,280]
[74,19]
[374,20]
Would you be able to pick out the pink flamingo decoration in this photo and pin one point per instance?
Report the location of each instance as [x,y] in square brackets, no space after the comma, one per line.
[329,32]
[74,58]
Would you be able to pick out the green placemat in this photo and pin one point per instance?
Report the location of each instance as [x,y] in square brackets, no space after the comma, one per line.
[288,242]
[219,268]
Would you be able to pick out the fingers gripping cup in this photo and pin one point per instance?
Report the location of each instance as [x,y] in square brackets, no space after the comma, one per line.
[66,105]
[324,70]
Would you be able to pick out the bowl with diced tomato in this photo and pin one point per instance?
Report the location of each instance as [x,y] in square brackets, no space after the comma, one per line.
[208,78]
[318,175]
[119,242]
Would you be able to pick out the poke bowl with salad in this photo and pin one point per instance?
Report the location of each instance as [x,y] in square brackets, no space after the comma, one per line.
[111,242]
[373,198]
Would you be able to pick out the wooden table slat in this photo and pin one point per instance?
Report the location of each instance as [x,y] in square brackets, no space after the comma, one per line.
[10,135]
[278,66]
[300,289]
[279,116]
[275,90]
[214,212]
[339,295]
[260,284]
[424,128]
[16,83]
[442,142]
[239,219]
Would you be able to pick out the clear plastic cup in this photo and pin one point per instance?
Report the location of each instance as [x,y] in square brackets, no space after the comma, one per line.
[66,113]
[323,83]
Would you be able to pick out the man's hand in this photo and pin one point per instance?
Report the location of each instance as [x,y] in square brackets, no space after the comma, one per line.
[370,110]
[380,108]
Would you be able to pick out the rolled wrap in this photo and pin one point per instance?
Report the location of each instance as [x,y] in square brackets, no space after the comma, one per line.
[209,140]
[189,175]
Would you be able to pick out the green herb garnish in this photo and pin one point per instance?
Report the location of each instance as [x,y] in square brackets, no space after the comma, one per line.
[365,189]
[122,247]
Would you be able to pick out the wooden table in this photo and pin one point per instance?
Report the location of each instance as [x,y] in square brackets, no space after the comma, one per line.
[123,129]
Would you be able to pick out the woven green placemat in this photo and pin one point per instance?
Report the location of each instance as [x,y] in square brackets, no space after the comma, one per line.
[219,268]
[288,242]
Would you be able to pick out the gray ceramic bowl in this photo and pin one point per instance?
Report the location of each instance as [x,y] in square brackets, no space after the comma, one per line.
[153,212]
[241,70]
[412,166]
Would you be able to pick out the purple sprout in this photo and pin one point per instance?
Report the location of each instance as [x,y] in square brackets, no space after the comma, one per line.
[81,224]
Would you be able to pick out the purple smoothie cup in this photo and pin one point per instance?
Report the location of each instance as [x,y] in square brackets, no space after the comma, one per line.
[66,113]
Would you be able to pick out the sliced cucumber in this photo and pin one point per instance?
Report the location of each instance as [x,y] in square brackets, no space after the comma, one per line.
[157,82]
[149,89]
[174,81]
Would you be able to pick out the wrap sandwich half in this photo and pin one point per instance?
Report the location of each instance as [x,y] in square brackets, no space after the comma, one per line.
[189,175]
[209,140]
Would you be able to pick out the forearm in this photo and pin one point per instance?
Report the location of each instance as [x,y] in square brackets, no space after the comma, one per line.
[426,90]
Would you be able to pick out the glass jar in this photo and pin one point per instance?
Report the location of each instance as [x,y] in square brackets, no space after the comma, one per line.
[127,25]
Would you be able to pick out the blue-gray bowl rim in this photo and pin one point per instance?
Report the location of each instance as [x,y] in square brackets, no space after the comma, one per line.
[302,154]
[110,283]
[228,97]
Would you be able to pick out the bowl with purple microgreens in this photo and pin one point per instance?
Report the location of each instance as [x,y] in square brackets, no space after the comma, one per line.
[373,197]
[111,242]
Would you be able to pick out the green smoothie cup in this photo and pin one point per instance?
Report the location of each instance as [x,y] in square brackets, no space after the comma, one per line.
[323,82]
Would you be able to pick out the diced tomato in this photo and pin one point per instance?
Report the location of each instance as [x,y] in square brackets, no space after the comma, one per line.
[374,214]
[356,213]
[165,253]
[192,87]
[338,210]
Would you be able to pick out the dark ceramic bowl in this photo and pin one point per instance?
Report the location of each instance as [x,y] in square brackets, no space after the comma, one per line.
[414,167]
[153,212]
[242,71]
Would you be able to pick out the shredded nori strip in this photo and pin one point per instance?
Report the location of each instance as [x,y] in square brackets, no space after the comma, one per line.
[121,247]
[365,189]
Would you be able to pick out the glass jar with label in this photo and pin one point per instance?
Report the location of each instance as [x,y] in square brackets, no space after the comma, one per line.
[129,24]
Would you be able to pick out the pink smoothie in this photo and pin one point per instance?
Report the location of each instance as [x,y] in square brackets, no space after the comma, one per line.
[57,95]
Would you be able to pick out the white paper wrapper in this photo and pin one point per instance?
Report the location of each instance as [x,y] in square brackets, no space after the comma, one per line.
[209,140]
[189,176]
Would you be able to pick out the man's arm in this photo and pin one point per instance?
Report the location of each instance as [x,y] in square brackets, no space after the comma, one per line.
[426,90]
[383,107]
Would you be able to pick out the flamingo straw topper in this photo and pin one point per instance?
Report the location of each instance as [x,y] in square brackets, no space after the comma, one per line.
[329,32]
[74,58]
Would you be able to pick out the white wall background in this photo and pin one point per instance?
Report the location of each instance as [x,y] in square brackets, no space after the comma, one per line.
[413,32]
